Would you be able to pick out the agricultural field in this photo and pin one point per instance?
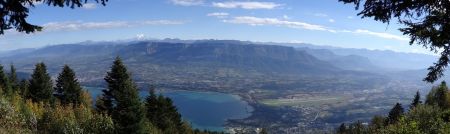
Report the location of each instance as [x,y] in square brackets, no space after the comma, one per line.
[305,100]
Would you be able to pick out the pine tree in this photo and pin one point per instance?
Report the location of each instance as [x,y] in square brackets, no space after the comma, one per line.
[13,78]
[162,112]
[68,89]
[395,114]
[127,111]
[173,115]
[416,101]
[377,122]
[430,98]
[40,88]
[151,106]
[104,103]
[4,82]
[23,88]
[441,96]
[263,131]
[169,118]
[342,129]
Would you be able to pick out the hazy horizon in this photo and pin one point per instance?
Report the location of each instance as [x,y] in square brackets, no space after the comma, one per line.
[315,22]
[290,44]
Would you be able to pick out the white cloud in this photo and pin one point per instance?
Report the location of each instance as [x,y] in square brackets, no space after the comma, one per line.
[286,17]
[331,20]
[80,25]
[246,5]
[187,2]
[254,21]
[218,14]
[380,34]
[349,17]
[89,6]
[320,15]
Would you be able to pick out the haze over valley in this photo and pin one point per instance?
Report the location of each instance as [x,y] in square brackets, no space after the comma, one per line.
[299,87]
[224,66]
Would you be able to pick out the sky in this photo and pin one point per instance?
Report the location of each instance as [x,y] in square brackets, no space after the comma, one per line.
[319,22]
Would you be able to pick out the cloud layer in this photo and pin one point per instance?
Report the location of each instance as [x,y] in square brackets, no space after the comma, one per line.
[218,14]
[381,35]
[80,25]
[229,4]
[256,21]
[89,6]
[246,5]
[187,2]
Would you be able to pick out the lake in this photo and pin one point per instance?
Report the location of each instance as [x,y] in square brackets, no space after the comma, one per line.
[204,110]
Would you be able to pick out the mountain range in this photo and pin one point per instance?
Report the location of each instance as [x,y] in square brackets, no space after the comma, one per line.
[221,64]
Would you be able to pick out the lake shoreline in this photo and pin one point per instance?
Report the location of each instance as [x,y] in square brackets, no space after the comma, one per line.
[231,102]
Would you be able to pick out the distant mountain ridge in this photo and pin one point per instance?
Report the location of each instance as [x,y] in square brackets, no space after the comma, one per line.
[229,54]
[345,62]
[205,63]
[382,58]
[349,58]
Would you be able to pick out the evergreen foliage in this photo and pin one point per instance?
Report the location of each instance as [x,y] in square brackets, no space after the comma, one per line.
[151,106]
[127,112]
[12,76]
[68,89]
[41,87]
[342,129]
[416,101]
[161,112]
[23,88]
[4,82]
[377,122]
[442,95]
[438,96]
[395,114]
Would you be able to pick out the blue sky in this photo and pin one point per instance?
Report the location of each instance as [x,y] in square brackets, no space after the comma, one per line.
[321,22]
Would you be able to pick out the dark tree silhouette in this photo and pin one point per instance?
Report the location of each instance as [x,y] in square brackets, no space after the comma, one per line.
[162,113]
[68,89]
[4,82]
[40,88]
[127,112]
[416,101]
[442,95]
[395,114]
[12,76]
[14,13]
[426,23]
[342,129]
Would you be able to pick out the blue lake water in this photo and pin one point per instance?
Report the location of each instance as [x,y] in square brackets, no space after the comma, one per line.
[204,110]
